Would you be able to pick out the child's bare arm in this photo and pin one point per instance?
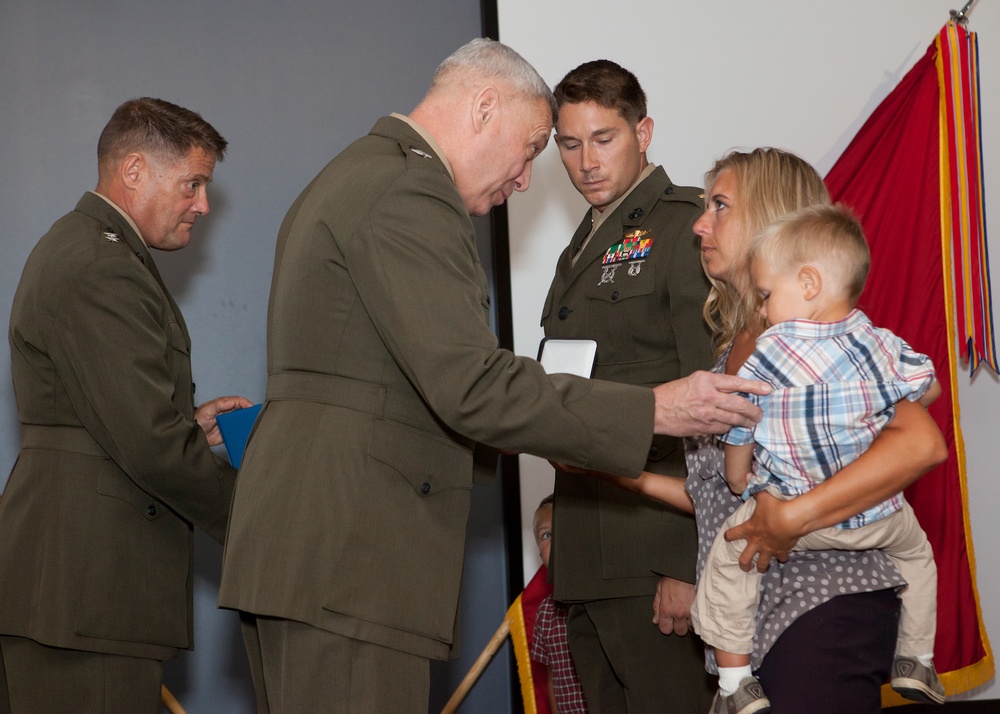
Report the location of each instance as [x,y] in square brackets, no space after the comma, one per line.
[932,393]
[667,489]
[739,463]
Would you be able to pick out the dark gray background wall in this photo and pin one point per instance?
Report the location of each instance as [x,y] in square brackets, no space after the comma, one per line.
[289,84]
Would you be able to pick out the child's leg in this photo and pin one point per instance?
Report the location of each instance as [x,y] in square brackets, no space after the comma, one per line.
[730,659]
[733,669]
[901,538]
[724,612]
[911,552]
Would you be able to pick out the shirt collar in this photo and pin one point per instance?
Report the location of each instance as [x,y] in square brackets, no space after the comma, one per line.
[126,216]
[812,329]
[597,217]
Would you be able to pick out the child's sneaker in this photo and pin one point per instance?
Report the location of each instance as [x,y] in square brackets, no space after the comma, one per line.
[916,681]
[748,699]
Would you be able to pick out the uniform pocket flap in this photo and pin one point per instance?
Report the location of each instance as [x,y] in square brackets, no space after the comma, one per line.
[622,281]
[112,482]
[428,462]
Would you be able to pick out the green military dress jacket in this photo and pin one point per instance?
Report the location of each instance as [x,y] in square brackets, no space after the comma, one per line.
[96,521]
[384,385]
[638,289]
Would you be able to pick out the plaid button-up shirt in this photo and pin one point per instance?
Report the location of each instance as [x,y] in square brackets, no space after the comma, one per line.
[836,385]
[550,647]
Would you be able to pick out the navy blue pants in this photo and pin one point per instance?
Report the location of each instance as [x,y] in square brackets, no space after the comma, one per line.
[835,658]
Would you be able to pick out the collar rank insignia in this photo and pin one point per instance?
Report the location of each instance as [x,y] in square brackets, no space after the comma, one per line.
[633,247]
[112,237]
[420,152]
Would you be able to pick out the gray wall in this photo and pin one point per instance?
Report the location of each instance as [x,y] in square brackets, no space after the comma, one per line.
[289,84]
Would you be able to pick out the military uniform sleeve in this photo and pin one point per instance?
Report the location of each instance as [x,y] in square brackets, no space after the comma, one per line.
[415,267]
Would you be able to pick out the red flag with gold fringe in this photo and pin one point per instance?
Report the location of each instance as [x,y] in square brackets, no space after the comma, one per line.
[913,175]
[519,625]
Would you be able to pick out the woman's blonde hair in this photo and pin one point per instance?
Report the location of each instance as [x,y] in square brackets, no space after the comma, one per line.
[769,183]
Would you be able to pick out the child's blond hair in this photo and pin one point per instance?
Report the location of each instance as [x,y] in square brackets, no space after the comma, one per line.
[824,234]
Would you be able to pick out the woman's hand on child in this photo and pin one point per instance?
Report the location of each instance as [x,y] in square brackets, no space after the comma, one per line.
[769,533]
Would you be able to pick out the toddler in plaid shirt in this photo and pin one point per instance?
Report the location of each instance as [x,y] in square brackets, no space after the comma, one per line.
[836,380]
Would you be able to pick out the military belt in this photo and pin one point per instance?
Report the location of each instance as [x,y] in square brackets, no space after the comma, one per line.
[60,438]
[374,399]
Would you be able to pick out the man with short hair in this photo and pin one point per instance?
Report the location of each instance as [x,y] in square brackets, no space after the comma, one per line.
[631,279]
[386,388]
[115,469]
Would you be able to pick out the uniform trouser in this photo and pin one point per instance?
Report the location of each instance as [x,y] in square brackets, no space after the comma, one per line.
[51,680]
[301,669]
[626,666]
[725,606]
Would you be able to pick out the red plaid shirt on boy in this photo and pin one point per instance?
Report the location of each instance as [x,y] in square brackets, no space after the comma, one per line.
[549,646]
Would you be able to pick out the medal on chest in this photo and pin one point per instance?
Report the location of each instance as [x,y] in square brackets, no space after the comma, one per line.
[633,249]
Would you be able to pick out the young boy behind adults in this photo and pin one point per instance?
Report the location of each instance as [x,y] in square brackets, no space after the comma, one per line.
[837,379]
[631,279]
[96,523]
[548,641]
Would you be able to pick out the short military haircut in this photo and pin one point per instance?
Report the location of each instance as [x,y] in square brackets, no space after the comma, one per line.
[157,127]
[827,234]
[608,85]
[490,59]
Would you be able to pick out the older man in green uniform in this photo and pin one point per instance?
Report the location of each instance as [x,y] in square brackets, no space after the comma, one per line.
[96,523]
[385,388]
[631,279]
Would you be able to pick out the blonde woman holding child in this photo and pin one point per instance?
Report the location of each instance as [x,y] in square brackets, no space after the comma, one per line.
[824,631]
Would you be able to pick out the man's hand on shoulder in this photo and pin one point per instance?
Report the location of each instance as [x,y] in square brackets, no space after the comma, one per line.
[705,403]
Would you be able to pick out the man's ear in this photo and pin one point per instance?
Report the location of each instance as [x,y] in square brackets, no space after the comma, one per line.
[811,281]
[132,170]
[485,108]
[644,132]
